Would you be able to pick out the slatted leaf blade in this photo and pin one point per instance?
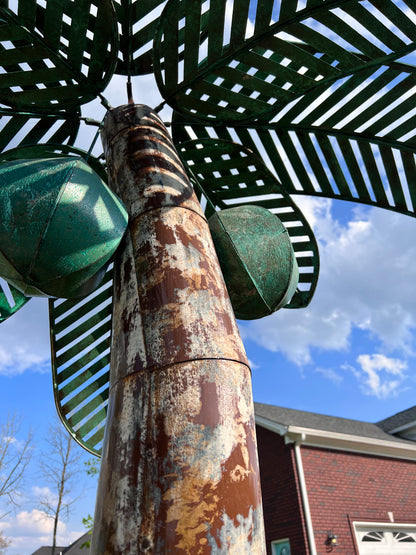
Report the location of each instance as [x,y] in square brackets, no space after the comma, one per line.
[56,54]
[80,338]
[231,175]
[11,300]
[258,67]
[348,168]
[22,128]
[354,141]
[137,21]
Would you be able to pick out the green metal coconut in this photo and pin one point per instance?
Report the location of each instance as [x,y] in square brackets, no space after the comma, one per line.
[257,259]
[59,226]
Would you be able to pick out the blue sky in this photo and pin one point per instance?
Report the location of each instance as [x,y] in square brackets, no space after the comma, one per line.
[350,354]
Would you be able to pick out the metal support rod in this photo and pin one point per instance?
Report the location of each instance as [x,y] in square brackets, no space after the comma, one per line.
[179,472]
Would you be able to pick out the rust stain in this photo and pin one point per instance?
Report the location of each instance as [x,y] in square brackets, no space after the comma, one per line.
[209,414]
[179,469]
[150,159]
[199,507]
[182,297]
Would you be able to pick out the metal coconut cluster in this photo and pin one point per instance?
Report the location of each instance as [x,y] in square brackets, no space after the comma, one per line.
[271,99]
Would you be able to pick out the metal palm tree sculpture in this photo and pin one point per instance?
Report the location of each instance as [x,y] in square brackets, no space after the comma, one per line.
[323,90]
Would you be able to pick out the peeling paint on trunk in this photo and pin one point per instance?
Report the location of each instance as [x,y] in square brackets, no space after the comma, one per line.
[179,472]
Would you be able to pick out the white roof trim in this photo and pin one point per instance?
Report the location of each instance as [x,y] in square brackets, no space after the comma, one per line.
[403,427]
[270,425]
[339,441]
[394,525]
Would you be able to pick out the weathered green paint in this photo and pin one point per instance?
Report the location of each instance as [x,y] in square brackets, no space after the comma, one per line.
[55,41]
[228,76]
[46,150]
[257,259]
[80,367]
[59,225]
[317,129]
[229,174]
[11,300]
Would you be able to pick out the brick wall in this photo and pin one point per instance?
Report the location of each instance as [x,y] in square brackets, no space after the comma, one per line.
[280,491]
[345,487]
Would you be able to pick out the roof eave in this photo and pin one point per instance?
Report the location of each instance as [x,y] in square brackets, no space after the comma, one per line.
[338,441]
[403,427]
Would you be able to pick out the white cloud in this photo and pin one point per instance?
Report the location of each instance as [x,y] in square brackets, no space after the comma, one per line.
[330,374]
[253,365]
[45,494]
[24,340]
[379,375]
[366,282]
[29,530]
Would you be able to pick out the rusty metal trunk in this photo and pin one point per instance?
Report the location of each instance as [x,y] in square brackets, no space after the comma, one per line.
[179,470]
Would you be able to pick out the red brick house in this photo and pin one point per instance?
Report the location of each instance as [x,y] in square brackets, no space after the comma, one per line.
[337,485]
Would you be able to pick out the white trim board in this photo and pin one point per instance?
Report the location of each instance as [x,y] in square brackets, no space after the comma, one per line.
[341,442]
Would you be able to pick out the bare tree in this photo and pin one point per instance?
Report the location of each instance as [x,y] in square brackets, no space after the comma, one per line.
[15,455]
[59,465]
[4,543]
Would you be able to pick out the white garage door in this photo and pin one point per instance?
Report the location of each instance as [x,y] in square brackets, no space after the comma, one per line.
[385,539]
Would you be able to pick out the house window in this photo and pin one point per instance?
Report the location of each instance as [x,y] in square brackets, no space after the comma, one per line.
[404,537]
[374,536]
[281,547]
[385,539]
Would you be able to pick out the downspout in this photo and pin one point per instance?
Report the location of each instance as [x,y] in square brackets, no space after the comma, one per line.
[304,495]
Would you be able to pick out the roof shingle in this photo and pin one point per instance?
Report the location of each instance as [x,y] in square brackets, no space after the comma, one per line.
[314,421]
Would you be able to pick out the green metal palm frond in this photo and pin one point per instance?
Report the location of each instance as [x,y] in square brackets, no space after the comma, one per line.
[230,176]
[337,143]
[137,20]
[32,129]
[55,55]
[248,68]
[137,26]
[80,338]
[341,82]
[354,142]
